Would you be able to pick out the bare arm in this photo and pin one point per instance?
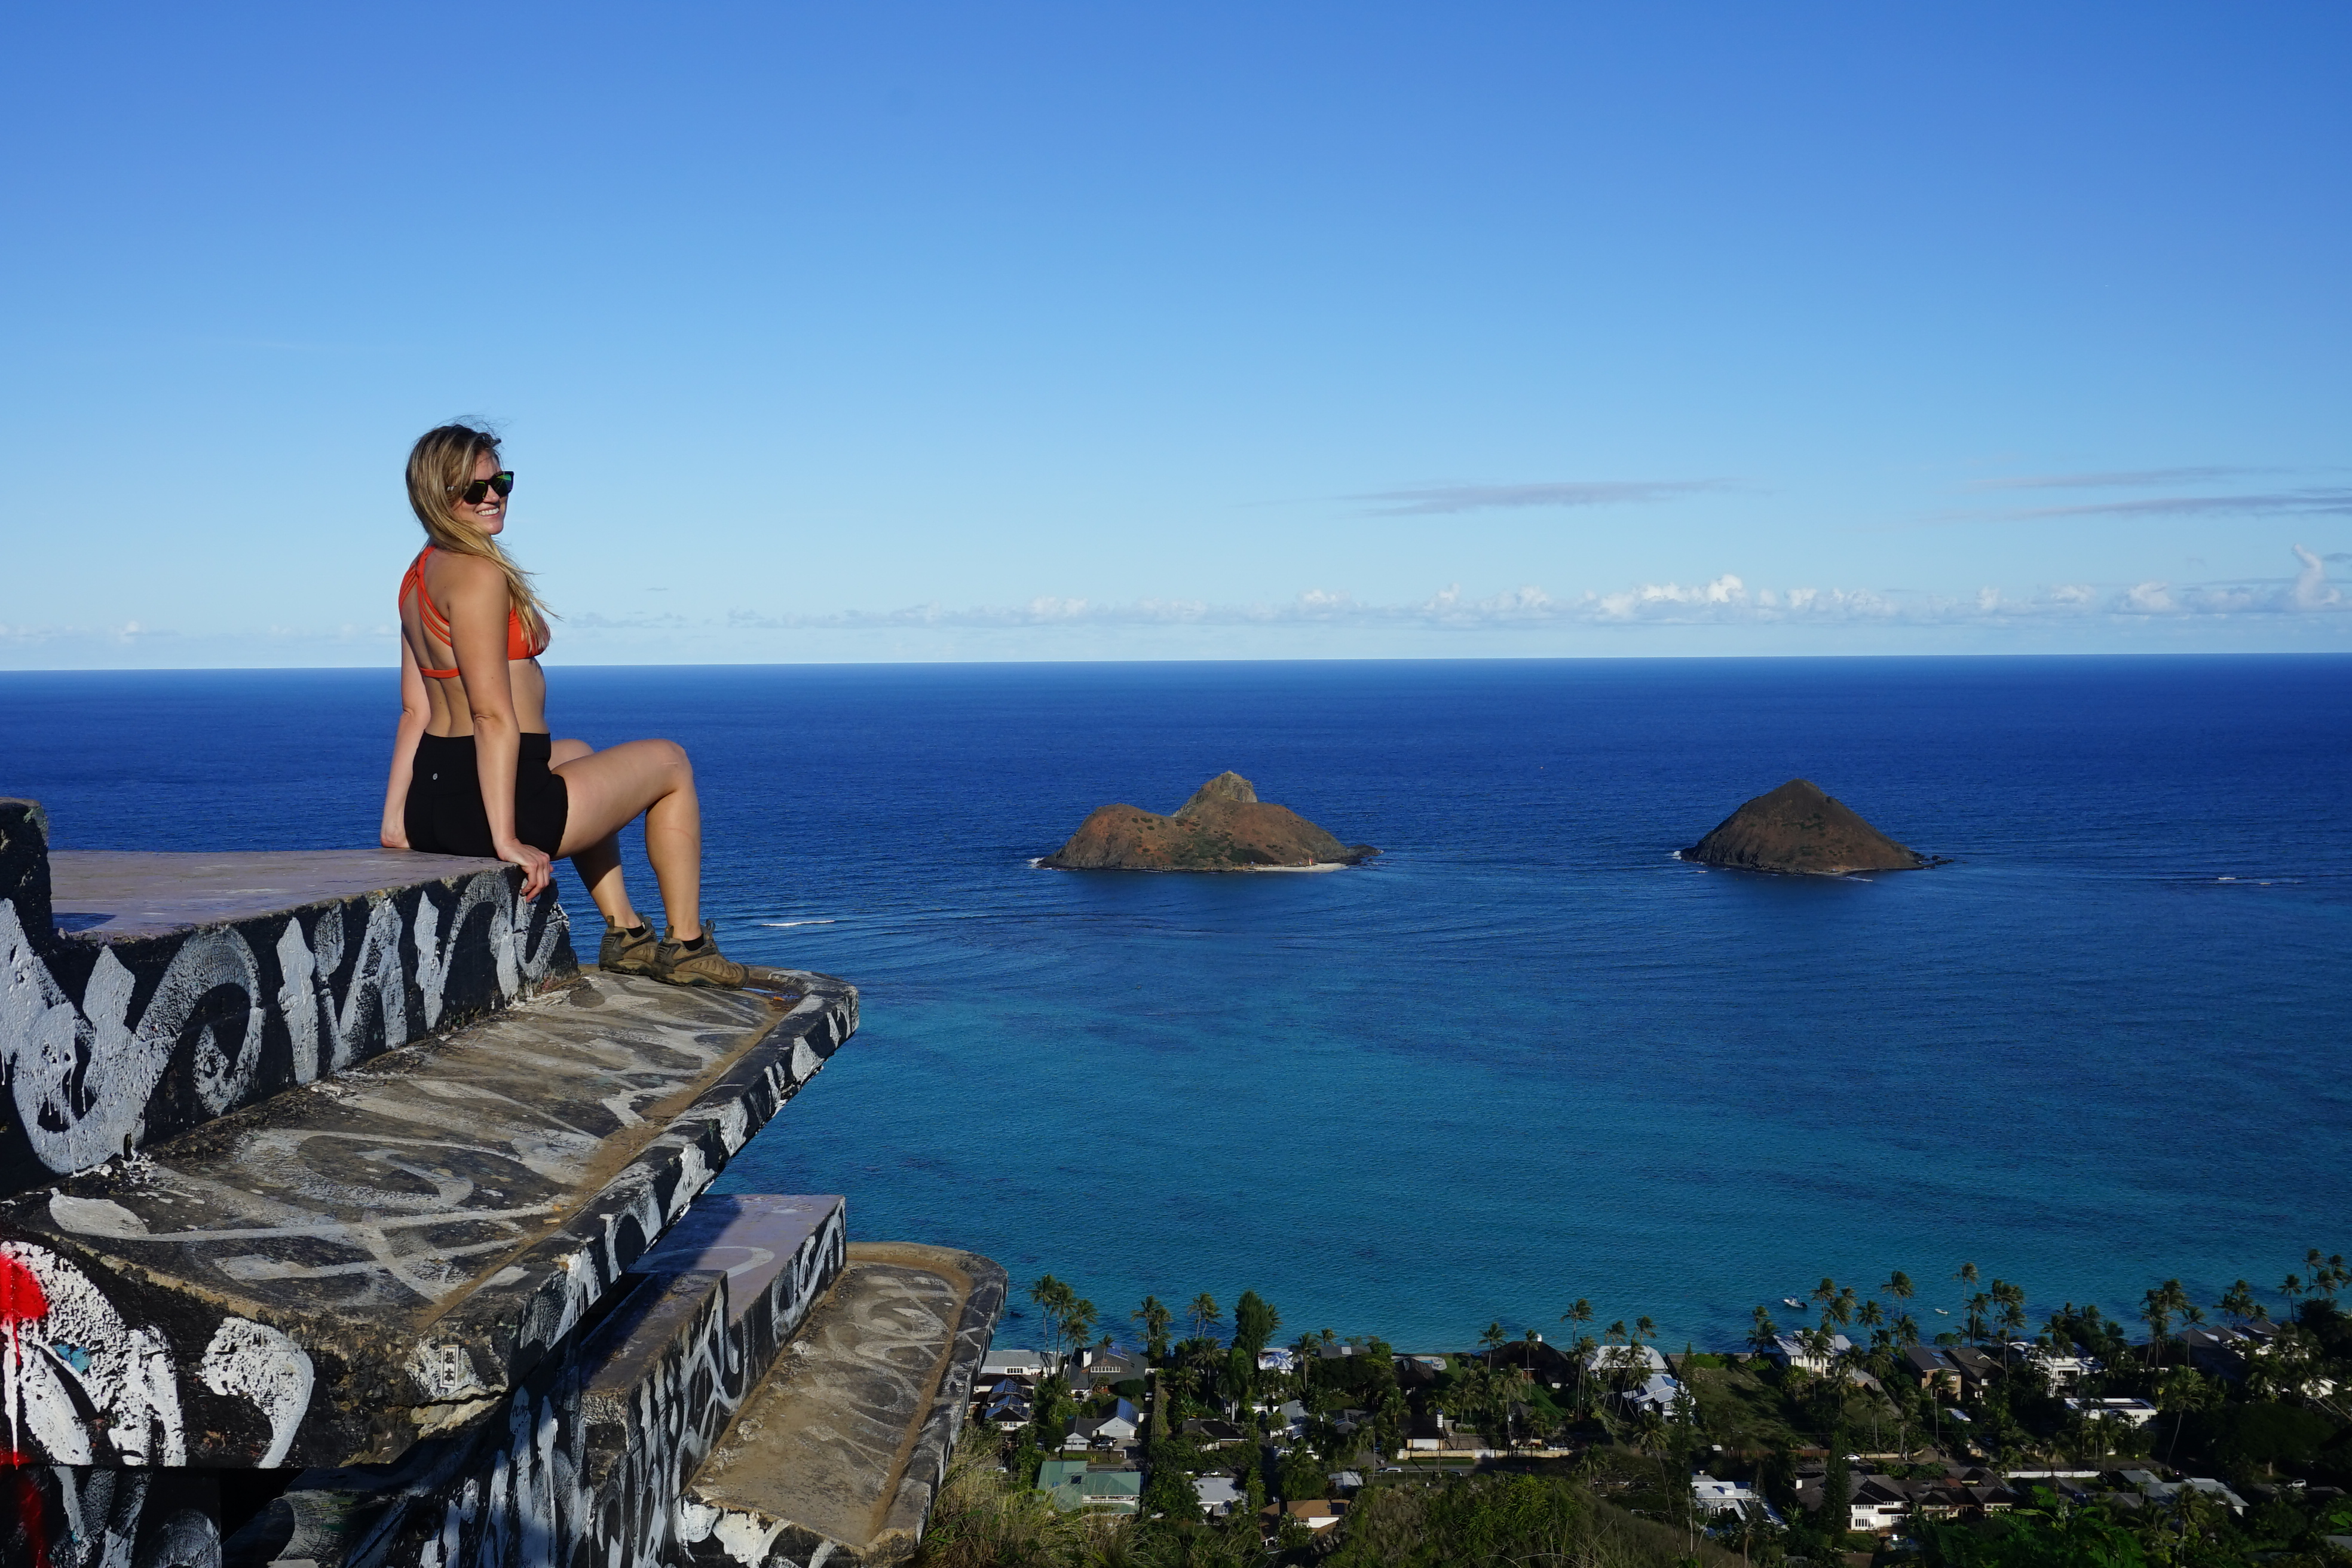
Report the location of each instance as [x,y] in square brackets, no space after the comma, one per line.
[478,607]
[415,708]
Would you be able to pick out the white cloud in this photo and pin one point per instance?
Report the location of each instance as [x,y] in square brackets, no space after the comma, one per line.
[1725,599]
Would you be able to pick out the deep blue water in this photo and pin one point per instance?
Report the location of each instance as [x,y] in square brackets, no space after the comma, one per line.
[1524,1057]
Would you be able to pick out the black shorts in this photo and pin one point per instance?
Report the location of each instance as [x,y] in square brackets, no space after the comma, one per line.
[444,813]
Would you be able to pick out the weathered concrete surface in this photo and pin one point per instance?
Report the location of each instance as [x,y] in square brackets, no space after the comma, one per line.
[53,1516]
[772,1247]
[126,895]
[838,1453]
[188,985]
[585,1464]
[380,1257]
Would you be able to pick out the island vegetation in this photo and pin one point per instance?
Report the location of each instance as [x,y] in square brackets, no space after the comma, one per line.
[1858,1425]
[1223,827]
[1800,830]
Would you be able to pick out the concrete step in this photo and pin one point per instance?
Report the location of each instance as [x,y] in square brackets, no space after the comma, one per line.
[382,1257]
[588,1461]
[837,1455]
[142,995]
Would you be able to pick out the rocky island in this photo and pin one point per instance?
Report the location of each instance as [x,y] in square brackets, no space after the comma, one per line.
[1800,830]
[1223,827]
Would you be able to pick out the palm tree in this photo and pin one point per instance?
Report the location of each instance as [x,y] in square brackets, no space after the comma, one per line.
[1763,1333]
[2156,1311]
[2237,1303]
[1906,1330]
[1053,1298]
[2012,1300]
[1646,1330]
[1204,1314]
[1898,1285]
[1493,1339]
[1154,1319]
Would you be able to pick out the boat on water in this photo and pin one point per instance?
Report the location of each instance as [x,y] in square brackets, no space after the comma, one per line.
[1792,1301]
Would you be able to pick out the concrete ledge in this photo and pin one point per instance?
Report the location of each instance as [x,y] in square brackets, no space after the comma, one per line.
[184,987]
[588,1461]
[838,1453]
[380,1259]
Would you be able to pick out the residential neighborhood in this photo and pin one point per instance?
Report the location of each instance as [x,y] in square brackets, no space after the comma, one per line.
[1805,1440]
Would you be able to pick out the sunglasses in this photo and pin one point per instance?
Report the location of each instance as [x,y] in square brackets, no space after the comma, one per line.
[501,481]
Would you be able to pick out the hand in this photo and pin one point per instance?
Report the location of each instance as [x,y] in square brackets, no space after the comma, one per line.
[394,835]
[538,870]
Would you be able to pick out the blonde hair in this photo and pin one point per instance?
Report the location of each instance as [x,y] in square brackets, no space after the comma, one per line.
[440,466]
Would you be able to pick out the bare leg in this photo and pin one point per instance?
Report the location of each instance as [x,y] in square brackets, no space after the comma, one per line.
[598,863]
[608,788]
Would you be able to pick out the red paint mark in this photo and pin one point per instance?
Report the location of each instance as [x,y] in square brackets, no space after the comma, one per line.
[22,1299]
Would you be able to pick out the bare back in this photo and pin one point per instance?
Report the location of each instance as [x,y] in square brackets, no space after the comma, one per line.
[471,593]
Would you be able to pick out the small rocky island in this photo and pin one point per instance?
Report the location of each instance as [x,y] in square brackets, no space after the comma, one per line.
[1223,827]
[1799,830]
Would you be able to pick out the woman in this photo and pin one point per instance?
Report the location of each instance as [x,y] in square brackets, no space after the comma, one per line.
[473,770]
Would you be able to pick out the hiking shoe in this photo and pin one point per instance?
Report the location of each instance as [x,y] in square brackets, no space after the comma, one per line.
[698,962]
[627,950]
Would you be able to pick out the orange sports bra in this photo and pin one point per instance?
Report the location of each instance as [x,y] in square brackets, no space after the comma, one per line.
[521,644]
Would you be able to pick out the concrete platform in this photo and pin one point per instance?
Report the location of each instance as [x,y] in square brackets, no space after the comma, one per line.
[115,896]
[837,1456]
[383,1256]
[588,1460]
[182,986]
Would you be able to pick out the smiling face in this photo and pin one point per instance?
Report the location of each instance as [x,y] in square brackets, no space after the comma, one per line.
[489,513]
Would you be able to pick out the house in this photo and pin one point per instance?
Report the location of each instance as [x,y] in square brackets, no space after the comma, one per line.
[1213,1433]
[1054,1473]
[1218,1494]
[1879,1503]
[1111,1491]
[2224,1352]
[1317,1514]
[1657,1392]
[1977,1369]
[1624,1358]
[1792,1349]
[1288,1418]
[2155,1490]
[1971,1495]
[1074,1487]
[1114,1430]
[2063,1366]
[1928,1364]
[1733,1499]
[1007,1404]
[2133,1413]
[1276,1359]
[1011,1364]
[1547,1363]
[1347,1481]
[1106,1365]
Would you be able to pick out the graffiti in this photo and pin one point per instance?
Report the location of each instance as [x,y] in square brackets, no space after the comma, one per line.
[589,1461]
[380,1257]
[257,1362]
[232,1014]
[53,1516]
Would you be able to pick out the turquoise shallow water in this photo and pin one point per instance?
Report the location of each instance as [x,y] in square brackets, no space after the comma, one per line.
[1524,1057]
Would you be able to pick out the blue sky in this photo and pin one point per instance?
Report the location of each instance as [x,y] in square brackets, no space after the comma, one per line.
[1037,331]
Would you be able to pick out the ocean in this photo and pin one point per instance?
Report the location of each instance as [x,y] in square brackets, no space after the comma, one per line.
[1524,1057]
